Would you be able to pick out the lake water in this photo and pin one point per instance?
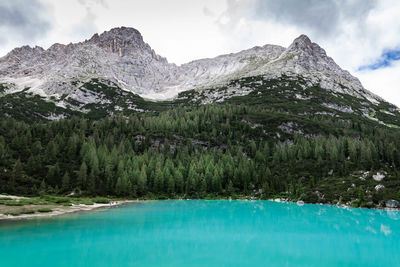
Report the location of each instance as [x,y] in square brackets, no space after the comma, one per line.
[206,233]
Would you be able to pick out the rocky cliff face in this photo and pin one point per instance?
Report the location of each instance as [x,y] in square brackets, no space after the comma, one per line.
[309,60]
[123,58]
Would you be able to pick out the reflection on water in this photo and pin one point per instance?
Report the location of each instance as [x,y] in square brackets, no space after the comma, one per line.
[393,214]
[385,229]
[212,233]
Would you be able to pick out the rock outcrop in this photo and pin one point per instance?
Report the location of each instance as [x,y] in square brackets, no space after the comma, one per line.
[392,204]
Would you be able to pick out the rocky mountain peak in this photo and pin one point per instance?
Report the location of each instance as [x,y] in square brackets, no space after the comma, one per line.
[127,34]
[303,44]
[309,55]
[120,40]
[21,54]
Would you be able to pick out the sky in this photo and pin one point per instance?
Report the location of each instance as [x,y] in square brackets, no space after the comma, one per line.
[362,36]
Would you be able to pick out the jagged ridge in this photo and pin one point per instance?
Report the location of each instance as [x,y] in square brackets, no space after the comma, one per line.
[122,57]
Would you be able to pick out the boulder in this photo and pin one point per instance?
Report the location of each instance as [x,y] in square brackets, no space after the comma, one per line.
[378,177]
[370,204]
[392,204]
[379,187]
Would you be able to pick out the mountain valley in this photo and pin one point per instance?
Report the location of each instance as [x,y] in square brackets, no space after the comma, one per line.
[110,117]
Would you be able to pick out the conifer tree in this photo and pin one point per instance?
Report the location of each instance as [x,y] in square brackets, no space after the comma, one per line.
[142,181]
[65,182]
[82,176]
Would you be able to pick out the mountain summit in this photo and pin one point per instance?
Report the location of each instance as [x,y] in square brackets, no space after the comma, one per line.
[302,42]
[123,41]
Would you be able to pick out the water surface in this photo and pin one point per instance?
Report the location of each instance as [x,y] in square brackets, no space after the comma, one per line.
[206,233]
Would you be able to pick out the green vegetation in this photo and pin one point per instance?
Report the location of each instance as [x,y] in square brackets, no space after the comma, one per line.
[13,213]
[28,212]
[21,212]
[54,200]
[101,200]
[45,210]
[269,143]
[30,108]
[3,88]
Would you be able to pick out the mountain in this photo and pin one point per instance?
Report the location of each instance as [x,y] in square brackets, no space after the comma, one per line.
[119,55]
[109,116]
[122,57]
[112,72]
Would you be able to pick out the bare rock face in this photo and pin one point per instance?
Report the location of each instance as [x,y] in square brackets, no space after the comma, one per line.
[219,70]
[392,204]
[122,57]
[119,55]
[310,61]
[123,42]
[21,54]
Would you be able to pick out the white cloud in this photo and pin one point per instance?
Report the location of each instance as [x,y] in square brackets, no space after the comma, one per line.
[208,12]
[73,20]
[22,22]
[385,81]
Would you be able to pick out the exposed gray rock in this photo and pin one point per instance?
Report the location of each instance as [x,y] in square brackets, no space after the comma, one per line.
[379,187]
[392,204]
[337,107]
[290,128]
[378,176]
[370,204]
[122,57]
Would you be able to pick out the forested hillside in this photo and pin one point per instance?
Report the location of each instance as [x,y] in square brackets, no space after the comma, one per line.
[270,143]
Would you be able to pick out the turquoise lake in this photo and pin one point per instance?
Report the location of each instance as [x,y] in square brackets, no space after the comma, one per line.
[206,233]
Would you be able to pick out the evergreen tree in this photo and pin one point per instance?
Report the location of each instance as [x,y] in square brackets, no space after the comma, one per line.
[65,182]
[217,187]
[265,190]
[122,185]
[82,176]
[91,183]
[179,183]
[171,183]
[159,181]
[43,187]
[142,181]
[230,190]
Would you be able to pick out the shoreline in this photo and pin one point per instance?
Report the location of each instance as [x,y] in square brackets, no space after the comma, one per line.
[63,210]
[283,200]
[343,206]
[58,210]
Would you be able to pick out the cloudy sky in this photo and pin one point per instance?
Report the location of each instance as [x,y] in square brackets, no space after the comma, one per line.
[362,36]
